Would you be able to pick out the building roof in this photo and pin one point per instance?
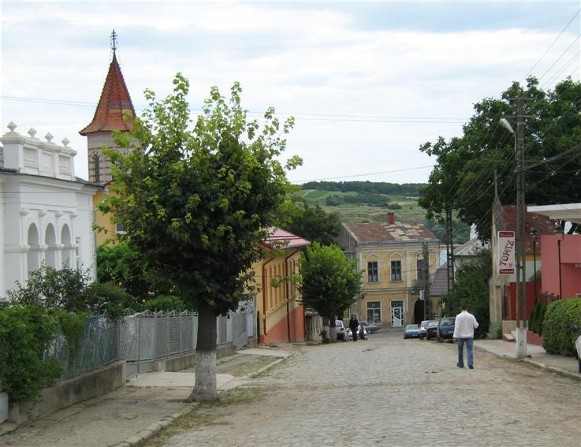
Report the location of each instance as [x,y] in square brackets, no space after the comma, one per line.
[386,232]
[114,101]
[569,212]
[279,238]
[541,223]
[469,248]
[440,281]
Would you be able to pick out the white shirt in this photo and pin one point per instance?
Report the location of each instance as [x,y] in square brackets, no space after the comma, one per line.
[464,325]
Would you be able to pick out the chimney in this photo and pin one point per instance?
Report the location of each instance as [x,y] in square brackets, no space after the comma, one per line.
[390,218]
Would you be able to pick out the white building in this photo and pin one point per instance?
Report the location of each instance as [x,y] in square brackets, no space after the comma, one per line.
[46,213]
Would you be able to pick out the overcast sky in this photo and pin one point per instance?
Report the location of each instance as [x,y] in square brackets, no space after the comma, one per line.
[367,81]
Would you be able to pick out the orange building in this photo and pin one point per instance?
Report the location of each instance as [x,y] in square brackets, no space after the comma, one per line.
[280,314]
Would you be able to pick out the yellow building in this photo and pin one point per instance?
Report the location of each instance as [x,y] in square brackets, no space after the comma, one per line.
[280,315]
[392,254]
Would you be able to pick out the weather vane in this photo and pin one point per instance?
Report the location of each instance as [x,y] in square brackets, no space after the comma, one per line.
[114,41]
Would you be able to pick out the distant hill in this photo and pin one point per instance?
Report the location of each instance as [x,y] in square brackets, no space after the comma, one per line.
[366,201]
[371,201]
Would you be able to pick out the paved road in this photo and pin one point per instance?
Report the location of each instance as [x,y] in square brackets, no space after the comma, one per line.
[391,392]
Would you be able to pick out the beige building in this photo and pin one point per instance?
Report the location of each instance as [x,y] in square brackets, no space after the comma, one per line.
[391,255]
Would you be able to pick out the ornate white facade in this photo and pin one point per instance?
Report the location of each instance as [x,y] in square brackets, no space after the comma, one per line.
[46,213]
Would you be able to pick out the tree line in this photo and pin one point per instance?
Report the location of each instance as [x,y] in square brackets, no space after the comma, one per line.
[367,187]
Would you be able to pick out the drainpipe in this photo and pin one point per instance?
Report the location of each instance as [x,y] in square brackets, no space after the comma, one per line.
[287,293]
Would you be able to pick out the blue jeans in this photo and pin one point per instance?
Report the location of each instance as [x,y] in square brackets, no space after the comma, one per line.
[469,350]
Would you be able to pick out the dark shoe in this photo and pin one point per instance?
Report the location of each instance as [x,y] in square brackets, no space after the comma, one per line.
[471,366]
[460,366]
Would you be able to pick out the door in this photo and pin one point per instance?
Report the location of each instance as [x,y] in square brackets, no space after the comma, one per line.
[397,313]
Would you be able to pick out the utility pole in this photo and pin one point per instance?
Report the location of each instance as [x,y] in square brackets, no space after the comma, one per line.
[521,293]
[426,269]
[449,248]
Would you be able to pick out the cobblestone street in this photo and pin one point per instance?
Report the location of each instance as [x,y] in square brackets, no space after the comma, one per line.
[394,392]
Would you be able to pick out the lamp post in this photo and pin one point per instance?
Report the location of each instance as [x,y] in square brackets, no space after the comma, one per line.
[535,235]
[521,317]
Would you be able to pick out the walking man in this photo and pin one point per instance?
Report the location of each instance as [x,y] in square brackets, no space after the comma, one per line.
[464,334]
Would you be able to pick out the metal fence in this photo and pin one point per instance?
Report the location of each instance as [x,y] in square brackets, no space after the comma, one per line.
[99,346]
[145,337]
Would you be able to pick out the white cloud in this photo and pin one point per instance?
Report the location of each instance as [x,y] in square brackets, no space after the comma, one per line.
[365,94]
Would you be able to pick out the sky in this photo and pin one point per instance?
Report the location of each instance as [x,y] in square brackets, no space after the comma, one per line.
[368,82]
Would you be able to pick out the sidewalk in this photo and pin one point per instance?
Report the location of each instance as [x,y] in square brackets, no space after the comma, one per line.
[536,355]
[127,416]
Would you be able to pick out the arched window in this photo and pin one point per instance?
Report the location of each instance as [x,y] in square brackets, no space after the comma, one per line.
[50,241]
[66,243]
[33,255]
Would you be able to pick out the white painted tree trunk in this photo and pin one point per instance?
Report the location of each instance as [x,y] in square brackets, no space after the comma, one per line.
[206,387]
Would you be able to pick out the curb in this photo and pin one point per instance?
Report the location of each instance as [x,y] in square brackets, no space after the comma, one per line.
[156,427]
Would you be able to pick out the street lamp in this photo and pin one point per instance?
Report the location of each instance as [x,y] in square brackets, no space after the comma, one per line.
[521,317]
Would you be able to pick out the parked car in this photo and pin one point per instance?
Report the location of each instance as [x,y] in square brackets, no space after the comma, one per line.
[411,331]
[369,327]
[445,329]
[343,333]
[423,326]
[431,329]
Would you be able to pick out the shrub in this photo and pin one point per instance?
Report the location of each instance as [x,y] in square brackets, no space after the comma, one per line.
[495,330]
[25,333]
[166,303]
[560,316]
[109,299]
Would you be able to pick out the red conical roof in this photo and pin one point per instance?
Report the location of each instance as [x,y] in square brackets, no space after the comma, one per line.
[114,100]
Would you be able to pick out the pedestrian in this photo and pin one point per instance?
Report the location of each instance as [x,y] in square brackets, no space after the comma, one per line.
[353,325]
[464,334]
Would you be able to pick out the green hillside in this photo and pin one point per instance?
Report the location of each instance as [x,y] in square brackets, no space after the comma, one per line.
[353,207]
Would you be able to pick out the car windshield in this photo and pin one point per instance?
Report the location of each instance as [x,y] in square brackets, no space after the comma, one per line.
[432,323]
[411,326]
[447,322]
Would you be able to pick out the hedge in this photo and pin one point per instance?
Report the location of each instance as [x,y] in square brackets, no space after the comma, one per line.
[560,317]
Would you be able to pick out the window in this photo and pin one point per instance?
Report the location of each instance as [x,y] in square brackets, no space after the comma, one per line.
[374,312]
[372,272]
[421,270]
[396,270]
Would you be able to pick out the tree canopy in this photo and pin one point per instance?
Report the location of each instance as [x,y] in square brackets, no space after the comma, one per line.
[330,283]
[308,221]
[464,176]
[196,199]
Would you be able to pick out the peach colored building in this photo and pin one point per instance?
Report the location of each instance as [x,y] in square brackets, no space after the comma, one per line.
[280,314]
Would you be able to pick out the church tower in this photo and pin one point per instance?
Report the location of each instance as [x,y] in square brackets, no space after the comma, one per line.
[114,112]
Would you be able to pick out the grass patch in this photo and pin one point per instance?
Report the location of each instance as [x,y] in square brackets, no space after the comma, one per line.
[242,366]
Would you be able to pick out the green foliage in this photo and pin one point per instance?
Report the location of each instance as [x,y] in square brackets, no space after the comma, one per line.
[367,187]
[120,264]
[110,300]
[464,176]
[536,318]
[70,290]
[25,333]
[560,317]
[166,303]
[330,283]
[50,288]
[471,288]
[196,198]
[309,222]
[495,330]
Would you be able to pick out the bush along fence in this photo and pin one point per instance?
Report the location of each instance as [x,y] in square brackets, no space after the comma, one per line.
[38,351]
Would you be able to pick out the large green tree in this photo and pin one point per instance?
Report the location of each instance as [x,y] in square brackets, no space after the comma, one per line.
[196,199]
[308,221]
[463,178]
[330,283]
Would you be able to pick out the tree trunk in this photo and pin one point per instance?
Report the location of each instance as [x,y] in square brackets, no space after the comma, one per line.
[206,386]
